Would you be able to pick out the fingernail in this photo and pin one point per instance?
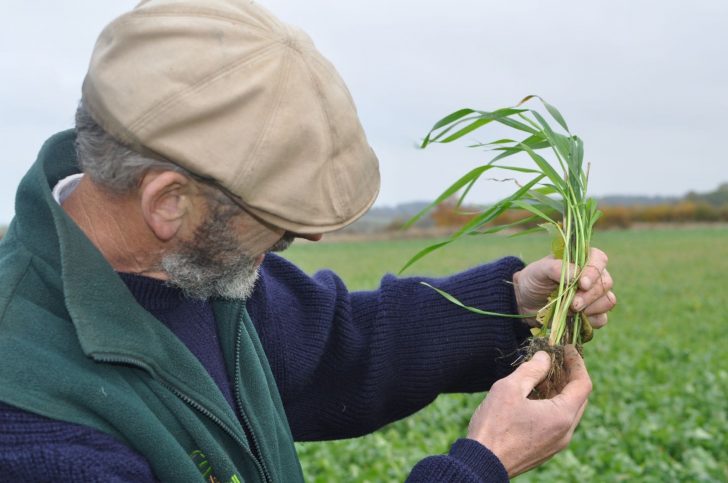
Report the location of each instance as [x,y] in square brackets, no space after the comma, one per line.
[586,283]
[578,303]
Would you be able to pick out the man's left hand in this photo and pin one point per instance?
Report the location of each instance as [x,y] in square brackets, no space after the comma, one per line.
[594,296]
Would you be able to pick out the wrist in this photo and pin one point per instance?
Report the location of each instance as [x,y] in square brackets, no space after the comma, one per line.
[480,459]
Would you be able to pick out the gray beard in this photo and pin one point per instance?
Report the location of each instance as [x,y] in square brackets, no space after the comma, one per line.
[235,281]
[213,263]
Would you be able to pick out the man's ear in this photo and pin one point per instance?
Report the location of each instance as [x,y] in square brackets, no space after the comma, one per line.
[166,202]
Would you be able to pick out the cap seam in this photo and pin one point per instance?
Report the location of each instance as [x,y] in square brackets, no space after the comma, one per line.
[160,108]
[319,95]
[269,121]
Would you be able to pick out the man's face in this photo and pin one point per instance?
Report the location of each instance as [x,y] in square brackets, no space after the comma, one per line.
[223,256]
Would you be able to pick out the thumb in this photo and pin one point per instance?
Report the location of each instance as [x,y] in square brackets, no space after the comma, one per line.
[531,373]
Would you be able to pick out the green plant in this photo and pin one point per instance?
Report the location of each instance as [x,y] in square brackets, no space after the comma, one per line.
[556,196]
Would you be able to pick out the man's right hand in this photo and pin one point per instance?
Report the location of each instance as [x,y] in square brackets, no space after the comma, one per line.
[524,433]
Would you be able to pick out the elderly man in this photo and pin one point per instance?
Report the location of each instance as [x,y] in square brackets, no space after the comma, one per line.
[148,330]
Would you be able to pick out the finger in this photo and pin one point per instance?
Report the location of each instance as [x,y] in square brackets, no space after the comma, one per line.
[602,305]
[578,386]
[531,373]
[575,422]
[594,268]
[553,269]
[598,321]
[578,417]
[598,290]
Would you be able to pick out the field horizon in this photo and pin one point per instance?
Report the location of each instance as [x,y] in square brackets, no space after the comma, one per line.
[659,410]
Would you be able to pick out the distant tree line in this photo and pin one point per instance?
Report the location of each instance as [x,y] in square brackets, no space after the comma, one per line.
[693,207]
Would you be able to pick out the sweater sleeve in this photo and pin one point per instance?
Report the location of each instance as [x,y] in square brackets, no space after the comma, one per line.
[467,462]
[39,449]
[347,363]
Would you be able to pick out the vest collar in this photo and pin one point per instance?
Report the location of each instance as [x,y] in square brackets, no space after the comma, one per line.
[109,323]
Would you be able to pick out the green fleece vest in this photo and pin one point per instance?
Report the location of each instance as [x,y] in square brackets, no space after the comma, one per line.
[77,347]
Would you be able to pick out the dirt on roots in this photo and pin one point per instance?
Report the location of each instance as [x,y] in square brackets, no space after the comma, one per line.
[556,378]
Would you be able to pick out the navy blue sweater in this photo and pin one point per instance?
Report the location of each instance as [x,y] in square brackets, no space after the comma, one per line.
[346,363]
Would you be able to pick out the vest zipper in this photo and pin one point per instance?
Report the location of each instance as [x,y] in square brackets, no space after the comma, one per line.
[243,415]
[199,407]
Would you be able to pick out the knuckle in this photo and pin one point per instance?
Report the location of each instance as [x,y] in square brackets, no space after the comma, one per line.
[564,442]
[607,281]
[564,422]
[588,385]
[598,321]
[555,269]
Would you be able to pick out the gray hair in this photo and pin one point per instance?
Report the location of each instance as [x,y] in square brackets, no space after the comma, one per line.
[110,163]
[118,168]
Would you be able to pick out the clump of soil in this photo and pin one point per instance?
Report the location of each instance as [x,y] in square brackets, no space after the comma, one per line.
[556,378]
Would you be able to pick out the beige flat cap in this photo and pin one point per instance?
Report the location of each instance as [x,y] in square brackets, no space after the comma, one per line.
[229,92]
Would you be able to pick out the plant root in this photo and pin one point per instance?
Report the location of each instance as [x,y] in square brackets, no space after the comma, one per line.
[556,378]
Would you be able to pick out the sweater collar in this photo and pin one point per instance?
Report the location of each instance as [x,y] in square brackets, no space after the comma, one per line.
[154,294]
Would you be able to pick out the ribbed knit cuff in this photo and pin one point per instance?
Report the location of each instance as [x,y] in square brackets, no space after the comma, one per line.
[467,462]
[479,459]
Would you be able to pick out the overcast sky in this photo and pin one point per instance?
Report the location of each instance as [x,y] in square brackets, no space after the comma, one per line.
[644,83]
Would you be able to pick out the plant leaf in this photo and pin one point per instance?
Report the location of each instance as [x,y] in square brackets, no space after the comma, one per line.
[546,313]
[558,141]
[495,210]
[478,123]
[551,109]
[451,121]
[468,187]
[544,165]
[518,169]
[473,174]
[526,99]
[555,114]
[517,125]
[535,229]
[483,119]
[498,228]
[529,207]
[450,118]
[473,309]
[450,127]
[557,239]
[557,205]
[422,253]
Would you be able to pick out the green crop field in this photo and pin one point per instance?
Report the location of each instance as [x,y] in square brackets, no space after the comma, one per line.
[659,410]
